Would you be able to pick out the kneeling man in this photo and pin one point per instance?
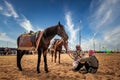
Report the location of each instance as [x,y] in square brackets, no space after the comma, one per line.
[86,65]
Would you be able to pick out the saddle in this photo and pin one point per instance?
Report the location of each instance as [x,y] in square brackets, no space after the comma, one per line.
[29,41]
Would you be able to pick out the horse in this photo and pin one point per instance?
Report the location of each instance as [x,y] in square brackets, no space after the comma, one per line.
[57,47]
[52,48]
[47,36]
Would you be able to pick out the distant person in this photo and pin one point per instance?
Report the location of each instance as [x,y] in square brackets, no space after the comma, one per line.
[86,65]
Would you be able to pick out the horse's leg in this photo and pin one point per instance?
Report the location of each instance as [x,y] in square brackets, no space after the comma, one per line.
[59,57]
[51,52]
[19,56]
[55,56]
[39,59]
[45,61]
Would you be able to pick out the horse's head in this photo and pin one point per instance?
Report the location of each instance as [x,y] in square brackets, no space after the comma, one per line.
[61,31]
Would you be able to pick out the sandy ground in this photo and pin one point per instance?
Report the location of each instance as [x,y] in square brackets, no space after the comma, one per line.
[109,68]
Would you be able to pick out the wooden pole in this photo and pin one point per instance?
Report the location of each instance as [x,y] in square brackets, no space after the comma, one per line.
[80,33]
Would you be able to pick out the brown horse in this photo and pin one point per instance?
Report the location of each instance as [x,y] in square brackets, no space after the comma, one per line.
[52,48]
[57,47]
[48,34]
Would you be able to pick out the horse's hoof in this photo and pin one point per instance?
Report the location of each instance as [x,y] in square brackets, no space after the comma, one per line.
[38,72]
[20,69]
[46,71]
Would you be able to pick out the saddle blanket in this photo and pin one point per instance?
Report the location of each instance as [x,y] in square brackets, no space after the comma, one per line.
[29,41]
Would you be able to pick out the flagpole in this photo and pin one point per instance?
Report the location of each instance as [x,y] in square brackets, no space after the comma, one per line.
[80,33]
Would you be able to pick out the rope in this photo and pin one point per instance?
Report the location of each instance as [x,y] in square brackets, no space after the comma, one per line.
[75,54]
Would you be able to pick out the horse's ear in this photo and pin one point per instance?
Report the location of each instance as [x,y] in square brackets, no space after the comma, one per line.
[59,23]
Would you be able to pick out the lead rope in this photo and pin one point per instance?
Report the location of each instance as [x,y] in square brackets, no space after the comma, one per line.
[74,54]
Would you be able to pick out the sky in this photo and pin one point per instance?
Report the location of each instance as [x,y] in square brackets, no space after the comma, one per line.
[97,21]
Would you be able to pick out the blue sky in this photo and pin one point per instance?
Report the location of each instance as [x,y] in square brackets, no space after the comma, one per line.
[98,21]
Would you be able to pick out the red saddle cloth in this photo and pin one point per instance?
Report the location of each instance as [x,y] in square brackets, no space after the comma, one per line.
[29,41]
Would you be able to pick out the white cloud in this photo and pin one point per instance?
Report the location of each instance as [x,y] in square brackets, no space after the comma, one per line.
[112,37]
[88,42]
[8,10]
[103,19]
[6,41]
[37,28]
[25,23]
[5,37]
[1,8]
[104,14]
[72,32]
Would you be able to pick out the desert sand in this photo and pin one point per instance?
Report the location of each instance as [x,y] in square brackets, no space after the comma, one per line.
[109,68]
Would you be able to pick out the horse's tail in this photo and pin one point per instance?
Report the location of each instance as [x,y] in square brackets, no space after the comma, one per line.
[18,59]
[19,55]
[18,39]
